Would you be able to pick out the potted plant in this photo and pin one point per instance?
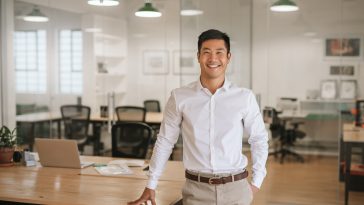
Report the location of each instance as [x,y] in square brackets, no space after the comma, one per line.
[8,142]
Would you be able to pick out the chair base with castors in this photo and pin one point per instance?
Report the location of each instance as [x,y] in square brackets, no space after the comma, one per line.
[286,152]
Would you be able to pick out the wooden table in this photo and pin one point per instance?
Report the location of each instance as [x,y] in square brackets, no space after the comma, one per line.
[151,118]
[352,137]
[38,118]
[46,185]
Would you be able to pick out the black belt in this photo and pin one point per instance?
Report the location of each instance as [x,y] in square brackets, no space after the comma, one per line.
[217,180]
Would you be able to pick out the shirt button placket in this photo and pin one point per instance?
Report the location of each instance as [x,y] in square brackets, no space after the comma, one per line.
[212,131]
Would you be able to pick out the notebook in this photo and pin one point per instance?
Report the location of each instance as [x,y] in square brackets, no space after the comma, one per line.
[59,153]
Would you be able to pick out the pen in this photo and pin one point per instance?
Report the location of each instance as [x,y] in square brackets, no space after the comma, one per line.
[100,165]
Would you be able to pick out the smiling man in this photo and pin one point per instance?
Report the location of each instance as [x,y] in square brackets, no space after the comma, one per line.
[212,115]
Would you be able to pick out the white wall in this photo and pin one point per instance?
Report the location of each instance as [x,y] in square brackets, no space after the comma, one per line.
[172,33]
[151,34]
[7,110]
[285,62]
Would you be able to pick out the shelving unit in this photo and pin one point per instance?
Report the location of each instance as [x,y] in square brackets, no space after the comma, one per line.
[107,59]
[322,122]
[321,106]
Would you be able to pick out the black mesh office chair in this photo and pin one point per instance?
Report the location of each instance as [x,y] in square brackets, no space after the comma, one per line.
[76,119]
[131,139]
[152,106]
[287,137]
[130,114]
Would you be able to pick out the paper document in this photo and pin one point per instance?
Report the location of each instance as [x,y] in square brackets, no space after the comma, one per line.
[129,162]
[114,170]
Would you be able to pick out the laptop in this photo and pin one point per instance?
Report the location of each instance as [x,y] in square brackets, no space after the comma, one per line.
[59,153]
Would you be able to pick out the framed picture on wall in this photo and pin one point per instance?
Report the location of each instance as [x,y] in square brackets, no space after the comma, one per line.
[345,70]
[343,47]
[185,62]
[328,89]
[348,89]
[155,62]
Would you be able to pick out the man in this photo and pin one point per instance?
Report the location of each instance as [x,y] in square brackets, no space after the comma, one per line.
[211,113]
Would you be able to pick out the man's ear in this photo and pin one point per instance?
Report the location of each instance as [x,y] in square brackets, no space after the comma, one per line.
[229,56]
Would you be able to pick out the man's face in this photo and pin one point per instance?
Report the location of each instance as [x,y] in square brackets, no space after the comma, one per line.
[213,58]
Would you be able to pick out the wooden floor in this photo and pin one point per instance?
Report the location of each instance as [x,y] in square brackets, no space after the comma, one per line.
[314,182]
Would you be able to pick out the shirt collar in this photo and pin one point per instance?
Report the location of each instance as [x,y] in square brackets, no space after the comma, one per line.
[225,86]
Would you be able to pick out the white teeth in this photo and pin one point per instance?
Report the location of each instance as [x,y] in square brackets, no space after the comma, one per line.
[213,66]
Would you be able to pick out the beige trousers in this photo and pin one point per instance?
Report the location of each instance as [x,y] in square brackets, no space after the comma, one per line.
[233,193]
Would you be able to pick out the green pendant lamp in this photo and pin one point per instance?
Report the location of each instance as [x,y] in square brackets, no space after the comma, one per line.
[148,11]
[284,6]
[36,16]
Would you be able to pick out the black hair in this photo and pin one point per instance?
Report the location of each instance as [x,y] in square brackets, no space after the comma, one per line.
[213,34]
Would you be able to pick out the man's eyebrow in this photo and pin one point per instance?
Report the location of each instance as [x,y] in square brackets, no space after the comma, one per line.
[204,48]
[218,49]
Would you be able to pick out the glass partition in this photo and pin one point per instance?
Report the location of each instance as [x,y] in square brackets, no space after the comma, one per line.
[314,56]
[102,57]
[231,17]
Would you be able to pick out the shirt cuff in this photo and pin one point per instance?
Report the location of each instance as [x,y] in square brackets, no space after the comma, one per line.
[257,181]
[152,184]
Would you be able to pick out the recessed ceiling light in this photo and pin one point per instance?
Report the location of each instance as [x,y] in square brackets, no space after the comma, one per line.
[92,30]
[103,2]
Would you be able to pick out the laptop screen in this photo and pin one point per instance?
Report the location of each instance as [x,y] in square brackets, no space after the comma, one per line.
[58,153]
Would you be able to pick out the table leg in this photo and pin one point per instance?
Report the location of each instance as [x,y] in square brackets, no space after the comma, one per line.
[96,128]
[59,129]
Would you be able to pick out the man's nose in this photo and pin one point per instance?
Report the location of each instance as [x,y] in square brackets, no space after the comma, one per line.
[213,57]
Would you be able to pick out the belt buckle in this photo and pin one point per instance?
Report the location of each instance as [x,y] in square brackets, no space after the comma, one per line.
[211,180]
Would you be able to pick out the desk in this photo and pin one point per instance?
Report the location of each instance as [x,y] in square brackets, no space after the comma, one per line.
[46,185]
[151,118]
[353,137]
[293,115]
[38,118]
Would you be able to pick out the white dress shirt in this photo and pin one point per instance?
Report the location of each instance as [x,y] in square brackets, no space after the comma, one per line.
[212,128]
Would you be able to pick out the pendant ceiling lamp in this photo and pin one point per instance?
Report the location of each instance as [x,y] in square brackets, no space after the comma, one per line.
[148,11]
[36,16]
[103,2]
[189,9]
[284,6]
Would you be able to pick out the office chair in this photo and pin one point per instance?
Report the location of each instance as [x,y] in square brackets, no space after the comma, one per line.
[130,114]
[76,119]
[131,139]
[286,137]
[152,106]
